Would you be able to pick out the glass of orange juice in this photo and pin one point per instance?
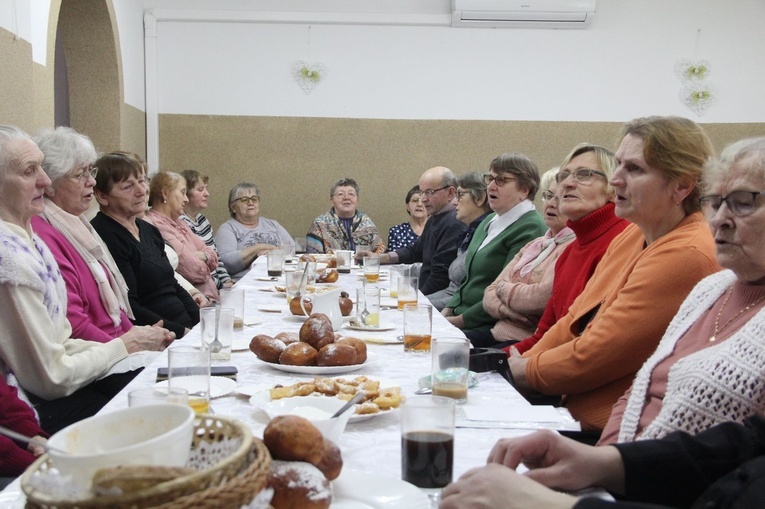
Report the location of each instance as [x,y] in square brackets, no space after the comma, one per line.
[418,323]
[407,290]
[189,368]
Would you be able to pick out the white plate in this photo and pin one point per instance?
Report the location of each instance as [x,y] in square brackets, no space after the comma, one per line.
[316,370]
[383,340]
[273,308]
[260,397]
[240,344]
[268,278]
[361,490]
[356,326]
[302,318]
[219,385]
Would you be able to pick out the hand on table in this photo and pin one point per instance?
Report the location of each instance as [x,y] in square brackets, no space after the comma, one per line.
[498,487]
[561,463]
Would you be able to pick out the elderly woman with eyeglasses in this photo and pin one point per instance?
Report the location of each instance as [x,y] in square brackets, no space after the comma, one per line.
[97,302]
[66,378]
[518,295]
[512,184]
[344,226]
[247,235]
[472,209]
[714,349]
[592,353]
[586,201]
[706,376]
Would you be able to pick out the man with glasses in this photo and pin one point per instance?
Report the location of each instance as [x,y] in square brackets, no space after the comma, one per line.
[344,226]
[437,246]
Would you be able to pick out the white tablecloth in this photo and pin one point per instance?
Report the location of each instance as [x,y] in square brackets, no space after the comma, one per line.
[373,445]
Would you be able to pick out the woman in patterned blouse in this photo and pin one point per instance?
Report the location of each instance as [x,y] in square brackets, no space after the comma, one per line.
[404,234]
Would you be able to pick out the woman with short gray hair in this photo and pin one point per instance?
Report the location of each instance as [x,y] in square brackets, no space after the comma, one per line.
[97,294]
[472,208]
[247,235]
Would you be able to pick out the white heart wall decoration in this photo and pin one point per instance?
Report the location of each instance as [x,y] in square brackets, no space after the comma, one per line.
[698,96]
[308,75]
[691,71]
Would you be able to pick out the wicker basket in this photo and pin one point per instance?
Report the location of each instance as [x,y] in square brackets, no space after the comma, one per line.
[232,466]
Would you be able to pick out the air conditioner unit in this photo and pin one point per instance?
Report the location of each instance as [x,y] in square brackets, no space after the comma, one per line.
[522,13]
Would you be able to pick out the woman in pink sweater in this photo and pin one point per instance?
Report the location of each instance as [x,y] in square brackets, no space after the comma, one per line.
[519,294]
[167,197]
[97,301]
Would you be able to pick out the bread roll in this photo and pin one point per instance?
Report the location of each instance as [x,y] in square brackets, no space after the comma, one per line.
[359,345]
[294,438]
[267,349]
[299,354]
[336,354]
[317,331]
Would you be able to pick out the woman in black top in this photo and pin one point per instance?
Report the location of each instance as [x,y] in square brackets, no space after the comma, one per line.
[137,246]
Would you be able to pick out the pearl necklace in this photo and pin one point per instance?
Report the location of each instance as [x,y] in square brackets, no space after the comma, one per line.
[713,337]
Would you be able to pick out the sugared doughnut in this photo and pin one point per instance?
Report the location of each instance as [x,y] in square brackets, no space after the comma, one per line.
[317,331]
[288,337]
[294,438]
[267,349]
[337,354]
[331,463]
[359,345]
[298,485]
[299,354]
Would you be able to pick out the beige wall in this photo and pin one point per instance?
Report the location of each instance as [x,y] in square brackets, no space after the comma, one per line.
[294,160]
[97,107]
[17,90]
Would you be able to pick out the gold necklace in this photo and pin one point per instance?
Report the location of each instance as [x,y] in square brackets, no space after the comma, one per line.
[713,338]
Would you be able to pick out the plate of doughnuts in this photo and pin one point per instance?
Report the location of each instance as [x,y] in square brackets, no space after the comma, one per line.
[316,370]
[380,396]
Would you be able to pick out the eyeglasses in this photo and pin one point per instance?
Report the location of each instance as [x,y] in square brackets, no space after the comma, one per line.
[549,195]
[582,175]
[83,176]
[431,192]
[244,200]
[741,203]
[460,194]
[343,194]
[415,200]
[500,180]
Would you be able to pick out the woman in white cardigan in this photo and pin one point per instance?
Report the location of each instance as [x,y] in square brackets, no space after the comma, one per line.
[710,365]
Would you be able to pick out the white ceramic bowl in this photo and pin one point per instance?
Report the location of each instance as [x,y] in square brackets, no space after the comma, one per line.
[316,409]
[143,435]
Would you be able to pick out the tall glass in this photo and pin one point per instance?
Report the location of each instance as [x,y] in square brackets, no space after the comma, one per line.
[418,324]
[344,261]
[427,443]
[275,262]
[450,367]
[234,298]
[372,269]
[407,290]
[368,306]
[189,368]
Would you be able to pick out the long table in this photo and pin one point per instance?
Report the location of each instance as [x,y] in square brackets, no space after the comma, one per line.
[371,446]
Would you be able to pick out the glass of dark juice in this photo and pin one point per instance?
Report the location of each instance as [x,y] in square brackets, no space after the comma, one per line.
[427,443]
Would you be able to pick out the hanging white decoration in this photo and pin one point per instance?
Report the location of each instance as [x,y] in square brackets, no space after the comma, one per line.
[692,71]
[698,96]
[308,75]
